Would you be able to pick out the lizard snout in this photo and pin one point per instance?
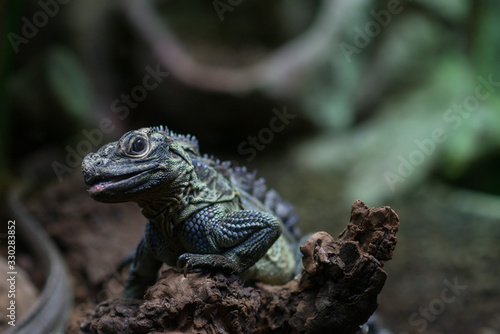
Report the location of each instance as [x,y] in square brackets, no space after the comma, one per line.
[90,169]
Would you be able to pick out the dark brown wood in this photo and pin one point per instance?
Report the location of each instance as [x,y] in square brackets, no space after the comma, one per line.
[335,293]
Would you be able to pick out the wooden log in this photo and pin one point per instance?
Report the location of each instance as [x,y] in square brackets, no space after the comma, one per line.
[335,293]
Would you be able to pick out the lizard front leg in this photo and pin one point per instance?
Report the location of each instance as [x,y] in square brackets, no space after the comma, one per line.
[143,271]
[232,241]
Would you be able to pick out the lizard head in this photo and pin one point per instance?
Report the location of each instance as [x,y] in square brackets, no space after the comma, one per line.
[141,161]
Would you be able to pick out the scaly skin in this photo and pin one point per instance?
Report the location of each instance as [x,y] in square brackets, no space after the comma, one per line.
[201,213]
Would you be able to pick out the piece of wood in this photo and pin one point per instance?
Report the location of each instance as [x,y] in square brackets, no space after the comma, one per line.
[336,292]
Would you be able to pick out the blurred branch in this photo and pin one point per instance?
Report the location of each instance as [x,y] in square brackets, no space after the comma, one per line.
[275,72]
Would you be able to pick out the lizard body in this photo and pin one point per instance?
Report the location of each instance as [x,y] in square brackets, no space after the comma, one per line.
[202,213]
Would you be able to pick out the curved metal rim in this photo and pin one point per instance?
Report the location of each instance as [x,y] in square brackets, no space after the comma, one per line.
[50,312]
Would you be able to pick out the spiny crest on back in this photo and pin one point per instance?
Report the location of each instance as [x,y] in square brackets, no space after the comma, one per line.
[187,141]
[242,179]
[272,201]
[222,167]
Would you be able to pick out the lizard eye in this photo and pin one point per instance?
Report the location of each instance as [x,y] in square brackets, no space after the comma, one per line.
[138,146]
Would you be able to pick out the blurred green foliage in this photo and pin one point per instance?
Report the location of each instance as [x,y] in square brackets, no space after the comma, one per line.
[367,108]
[376,104]
[69,82]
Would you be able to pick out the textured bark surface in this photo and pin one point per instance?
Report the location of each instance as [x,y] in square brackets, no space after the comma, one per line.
[336,292]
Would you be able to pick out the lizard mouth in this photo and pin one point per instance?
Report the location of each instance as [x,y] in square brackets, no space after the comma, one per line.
[101,185]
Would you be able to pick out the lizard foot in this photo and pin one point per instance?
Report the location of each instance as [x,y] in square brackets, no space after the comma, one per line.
[189,261]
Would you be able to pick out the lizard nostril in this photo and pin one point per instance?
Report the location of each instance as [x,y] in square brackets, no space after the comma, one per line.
[98,163]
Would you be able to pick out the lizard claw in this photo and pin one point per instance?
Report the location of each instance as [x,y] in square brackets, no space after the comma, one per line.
[184,263]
